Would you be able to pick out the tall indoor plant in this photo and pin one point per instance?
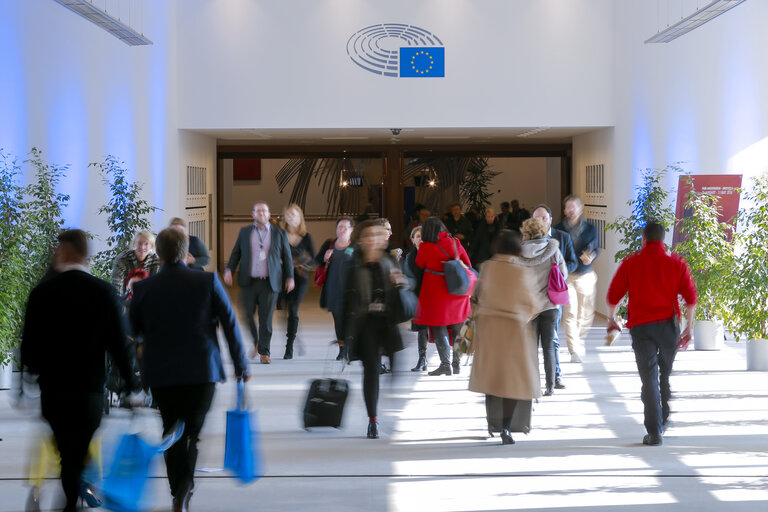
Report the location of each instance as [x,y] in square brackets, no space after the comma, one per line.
[30,219]
[747,280]
[708,250]
[127,213]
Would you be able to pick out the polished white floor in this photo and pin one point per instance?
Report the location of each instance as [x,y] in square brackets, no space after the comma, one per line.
[584,452]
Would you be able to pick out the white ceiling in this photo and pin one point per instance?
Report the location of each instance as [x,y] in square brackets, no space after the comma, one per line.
[407,136]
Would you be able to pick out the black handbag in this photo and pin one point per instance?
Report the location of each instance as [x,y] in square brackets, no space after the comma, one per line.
[406,305]
[459,278]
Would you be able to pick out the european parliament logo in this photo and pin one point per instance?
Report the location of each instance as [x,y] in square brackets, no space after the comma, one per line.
[398,50]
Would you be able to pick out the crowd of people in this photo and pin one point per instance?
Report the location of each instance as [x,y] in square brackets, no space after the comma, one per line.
[175,308]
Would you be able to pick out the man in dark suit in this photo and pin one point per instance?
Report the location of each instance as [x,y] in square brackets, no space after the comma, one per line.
[177,311]
[266,267]
[71,319]
[198,256]
[543,212]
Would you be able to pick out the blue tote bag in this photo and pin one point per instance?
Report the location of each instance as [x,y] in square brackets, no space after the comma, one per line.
[242,450]
[124,488]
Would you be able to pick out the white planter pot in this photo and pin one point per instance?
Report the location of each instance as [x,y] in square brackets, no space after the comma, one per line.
[757,355]
[6,375]
[707,335]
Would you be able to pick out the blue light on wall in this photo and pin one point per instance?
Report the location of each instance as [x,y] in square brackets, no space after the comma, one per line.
[13,98]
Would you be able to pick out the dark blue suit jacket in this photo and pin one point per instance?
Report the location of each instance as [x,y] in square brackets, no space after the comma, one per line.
[566,248]
[177,311]
[279,259]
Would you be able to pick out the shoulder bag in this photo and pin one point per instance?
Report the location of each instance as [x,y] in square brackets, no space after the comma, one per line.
[459,278]
[557,288]
[321,272]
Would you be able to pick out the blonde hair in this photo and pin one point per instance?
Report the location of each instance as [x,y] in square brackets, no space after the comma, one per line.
[302,230]
[150,236]
[534,228]
[414,231]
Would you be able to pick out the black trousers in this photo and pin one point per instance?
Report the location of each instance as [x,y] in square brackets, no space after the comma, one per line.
[73,417]
[293,301]
[189,403]
[259,294]
[655,346]
[369,351]
[546,331]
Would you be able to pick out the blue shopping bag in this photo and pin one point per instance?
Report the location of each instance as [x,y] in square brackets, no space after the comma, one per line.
[125,487]
[242,450]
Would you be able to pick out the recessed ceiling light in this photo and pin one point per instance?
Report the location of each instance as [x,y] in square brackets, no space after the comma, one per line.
[534,131]
[345,138]
[446,137]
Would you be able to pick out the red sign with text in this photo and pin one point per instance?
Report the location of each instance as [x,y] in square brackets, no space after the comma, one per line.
[724,186]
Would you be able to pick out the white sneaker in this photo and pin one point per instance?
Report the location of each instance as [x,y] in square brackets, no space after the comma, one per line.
[575,358]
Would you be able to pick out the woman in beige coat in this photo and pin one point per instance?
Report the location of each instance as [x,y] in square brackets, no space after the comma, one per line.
[505,343]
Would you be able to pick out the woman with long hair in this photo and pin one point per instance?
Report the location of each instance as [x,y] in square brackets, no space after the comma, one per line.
[437,308]
[416,275]
[369,310]
[539,252]
[302,252]
[333,253]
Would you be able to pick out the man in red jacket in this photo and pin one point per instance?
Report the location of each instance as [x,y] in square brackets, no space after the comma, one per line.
[654,279]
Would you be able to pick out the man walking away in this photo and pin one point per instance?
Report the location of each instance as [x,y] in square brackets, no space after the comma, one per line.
[653,280]
[71,319]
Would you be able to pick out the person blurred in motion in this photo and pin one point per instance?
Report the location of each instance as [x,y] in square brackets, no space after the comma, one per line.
[266,267]
[582,281]
[486,231]
[506,356]
[333,254]
[653,280]
[415,274]
[437,308]
[369,307]
[177,312]
[140,255]
[539,252]
[302,253]
[198,256]
[505,217]
[71,320]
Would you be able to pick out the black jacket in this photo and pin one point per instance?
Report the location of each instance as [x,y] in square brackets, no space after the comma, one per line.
[71,320]
[566,249]
[279,261]
[357,298]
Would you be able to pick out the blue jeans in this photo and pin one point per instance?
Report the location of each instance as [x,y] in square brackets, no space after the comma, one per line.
[655,346]
[556,341]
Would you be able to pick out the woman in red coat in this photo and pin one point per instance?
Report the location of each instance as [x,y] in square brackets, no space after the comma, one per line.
[437,308]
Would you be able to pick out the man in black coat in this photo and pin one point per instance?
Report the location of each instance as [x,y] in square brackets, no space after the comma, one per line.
[198,256]
[177,311]
[266,267]
[543,212]
[71,320]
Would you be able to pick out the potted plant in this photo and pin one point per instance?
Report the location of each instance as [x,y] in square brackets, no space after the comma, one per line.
[650,203]
[746,282]
[708,250]
[30,219]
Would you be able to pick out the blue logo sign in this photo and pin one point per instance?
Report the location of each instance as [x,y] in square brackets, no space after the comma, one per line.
[398,50]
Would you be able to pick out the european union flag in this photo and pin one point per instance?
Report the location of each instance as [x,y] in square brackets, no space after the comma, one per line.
[422,62]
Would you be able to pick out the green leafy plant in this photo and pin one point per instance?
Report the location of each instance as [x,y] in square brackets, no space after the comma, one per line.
[474,185]
[651,202]
[747,281]
[708,250]
[30,220]
[127,213]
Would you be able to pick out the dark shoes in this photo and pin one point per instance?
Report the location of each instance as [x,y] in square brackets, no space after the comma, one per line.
[288,351]
[421,365]
[549,391]
[443,369]
[652,439]
[88,495]
[506,437]
[559,384]
[373,431]
[383,369]
[456,368]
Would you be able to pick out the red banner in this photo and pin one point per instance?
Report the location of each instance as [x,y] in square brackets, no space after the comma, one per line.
[724,186]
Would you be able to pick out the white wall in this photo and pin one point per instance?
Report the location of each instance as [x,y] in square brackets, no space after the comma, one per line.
[77,93]
[267,64]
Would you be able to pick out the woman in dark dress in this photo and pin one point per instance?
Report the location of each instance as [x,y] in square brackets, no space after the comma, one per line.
[302,251]
[370,302]
[333,253]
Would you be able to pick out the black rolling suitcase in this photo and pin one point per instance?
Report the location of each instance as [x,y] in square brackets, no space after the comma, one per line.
[521,417]
[325,403]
